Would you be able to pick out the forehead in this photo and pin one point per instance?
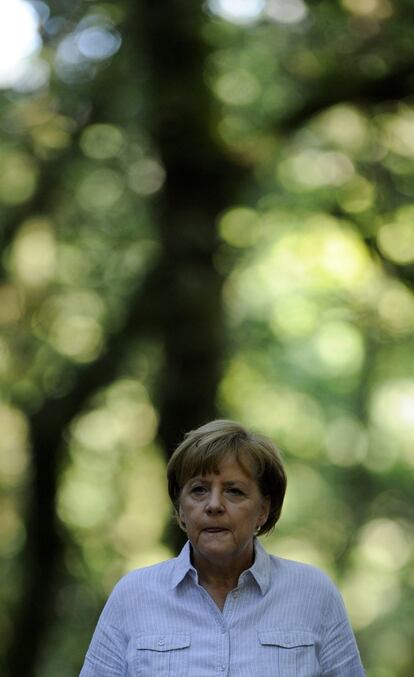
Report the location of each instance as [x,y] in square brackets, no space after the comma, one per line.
[229,467]
[236,463]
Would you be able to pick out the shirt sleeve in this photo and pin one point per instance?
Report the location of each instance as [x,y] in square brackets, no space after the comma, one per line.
[339,654]
[106,656]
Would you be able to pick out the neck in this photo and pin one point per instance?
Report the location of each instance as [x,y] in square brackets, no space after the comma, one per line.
[221,575]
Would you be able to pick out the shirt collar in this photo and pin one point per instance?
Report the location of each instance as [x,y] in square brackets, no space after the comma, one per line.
[259,571]
[182,566]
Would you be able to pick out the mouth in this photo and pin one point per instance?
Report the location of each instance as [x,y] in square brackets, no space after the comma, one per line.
[215,530]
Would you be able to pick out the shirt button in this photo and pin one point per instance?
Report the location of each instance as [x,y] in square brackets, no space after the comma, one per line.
[161,641]
[222,668]
[236,593]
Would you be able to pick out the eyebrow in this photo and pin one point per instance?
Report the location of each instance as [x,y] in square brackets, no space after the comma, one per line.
[232,482]
[227,483]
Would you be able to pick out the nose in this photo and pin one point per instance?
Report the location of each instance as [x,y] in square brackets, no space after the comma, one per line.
[214,503]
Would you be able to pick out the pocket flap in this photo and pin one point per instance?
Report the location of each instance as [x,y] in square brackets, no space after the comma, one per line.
[286,638]
[159,642]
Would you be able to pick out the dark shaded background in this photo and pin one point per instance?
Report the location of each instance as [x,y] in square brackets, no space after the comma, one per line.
[206,210]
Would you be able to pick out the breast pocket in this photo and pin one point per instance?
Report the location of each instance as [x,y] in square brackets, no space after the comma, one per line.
[289,653]
[161,655]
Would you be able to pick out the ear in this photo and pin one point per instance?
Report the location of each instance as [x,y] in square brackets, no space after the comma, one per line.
[264,513]
[181,522]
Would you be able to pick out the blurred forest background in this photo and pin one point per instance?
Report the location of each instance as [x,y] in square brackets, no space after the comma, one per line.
[207,209]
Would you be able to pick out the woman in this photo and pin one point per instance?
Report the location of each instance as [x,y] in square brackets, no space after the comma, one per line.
[224,606]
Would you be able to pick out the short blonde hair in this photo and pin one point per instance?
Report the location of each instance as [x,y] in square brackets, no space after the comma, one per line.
[203,449]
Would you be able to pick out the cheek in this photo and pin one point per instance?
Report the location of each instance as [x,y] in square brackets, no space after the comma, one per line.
[185,511]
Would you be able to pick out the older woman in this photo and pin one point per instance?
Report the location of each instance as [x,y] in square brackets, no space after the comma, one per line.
[224,606]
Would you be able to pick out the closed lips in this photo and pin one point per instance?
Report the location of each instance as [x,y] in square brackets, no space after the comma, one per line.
[214,529]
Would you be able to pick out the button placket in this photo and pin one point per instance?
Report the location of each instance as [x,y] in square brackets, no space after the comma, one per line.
[223,655]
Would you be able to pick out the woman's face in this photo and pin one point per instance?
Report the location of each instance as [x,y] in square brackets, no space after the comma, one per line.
[221,511]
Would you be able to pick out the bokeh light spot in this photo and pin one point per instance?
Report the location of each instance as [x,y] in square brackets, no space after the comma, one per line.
[376,9]
[102,141]
[340,347]
[146,176]
[396,239]
[346,441]
[85,504]
[311,169]
[392,409]
[384,544]
[98,43]
[12,532]
[100,190]
[19,175]
[11,305]
[356,195]
[286,11]
[343,126]
[238,87]
[396,308]
[72,324]
[34,253]
[294,316]
[367,596]
[13,446]
[398,132]
[77,336]
[239,226]
[19,38]
[237,11]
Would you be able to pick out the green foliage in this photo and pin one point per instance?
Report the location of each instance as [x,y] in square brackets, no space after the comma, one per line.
[306,127]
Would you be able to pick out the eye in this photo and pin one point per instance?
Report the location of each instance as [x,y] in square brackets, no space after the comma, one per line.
[198,490]
[234,491]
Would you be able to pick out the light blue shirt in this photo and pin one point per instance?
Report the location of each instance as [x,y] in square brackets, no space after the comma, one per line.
[284,619]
